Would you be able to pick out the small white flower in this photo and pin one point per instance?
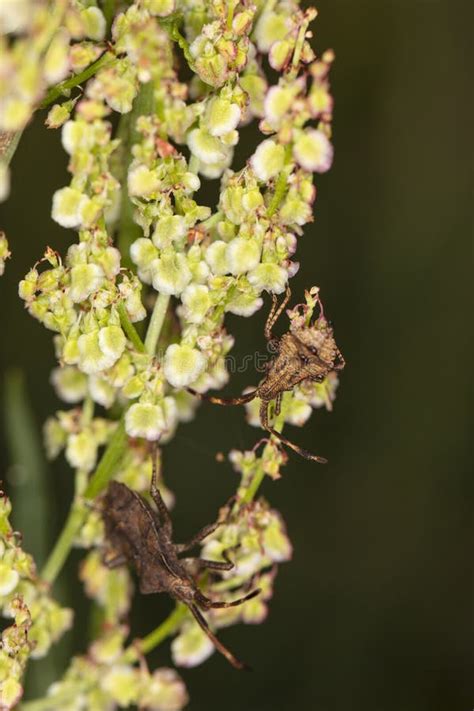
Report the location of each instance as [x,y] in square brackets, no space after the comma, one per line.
[112,341]
[197,302]
[77,135]
[81,451]
[183,365]
[164,691]
[100,390]
[268,160]
[206,147]
[68,204]
[244,304]
[216,257]
[191,647]
[142,181]
[122,683]
[70,384]
[143,254]
[14,16]
[222,116]
[91,358]
[169,229]
[9,579]
[270,277]
[298,413]
[277,103]
[270,28]
[145,420]
[243,255]
[94,23]
[56,60]
[85,280]
[313,151]
[162,8]
[171,273]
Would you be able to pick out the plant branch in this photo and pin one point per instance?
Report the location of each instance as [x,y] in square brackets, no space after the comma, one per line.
[156,323]
[259,475]
[130,329]
[127,132]
[157,636]
[63,545]
[65,86]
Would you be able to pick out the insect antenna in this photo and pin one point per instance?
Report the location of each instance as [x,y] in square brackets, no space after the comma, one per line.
[223,401]
[236,663]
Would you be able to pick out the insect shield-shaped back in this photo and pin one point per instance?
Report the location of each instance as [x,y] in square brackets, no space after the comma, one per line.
[304,353]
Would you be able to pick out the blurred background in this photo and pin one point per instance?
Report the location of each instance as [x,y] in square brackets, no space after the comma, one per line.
[374,613]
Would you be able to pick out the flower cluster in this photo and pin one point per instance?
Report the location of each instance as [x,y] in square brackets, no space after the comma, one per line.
[38,619]
[255,537]
[39,40]
[146,247]
[106,678]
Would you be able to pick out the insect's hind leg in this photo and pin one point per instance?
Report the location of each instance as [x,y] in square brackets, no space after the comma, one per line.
[200,619]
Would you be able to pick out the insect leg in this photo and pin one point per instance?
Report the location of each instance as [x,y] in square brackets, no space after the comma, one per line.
[340,362]
[299,450]
[115,562]
[202,563]
[278,400]
[275,313]
[200,536]
[223,401]
[164,514]
[208,604]
[236,663]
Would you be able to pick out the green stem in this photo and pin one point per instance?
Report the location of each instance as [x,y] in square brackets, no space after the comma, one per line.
[63,545]
[131,655]
[78,511]
[279,193]
[64,87]
[259,475]
[176,36]
[110,459]
[129,231]
[108,8]
[107,465]
[129,328]
[156,323]
[157,636]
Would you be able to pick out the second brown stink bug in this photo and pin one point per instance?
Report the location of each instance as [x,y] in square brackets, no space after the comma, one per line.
[305,352]
[142,536]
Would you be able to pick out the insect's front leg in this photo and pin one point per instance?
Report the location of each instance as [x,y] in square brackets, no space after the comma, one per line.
[278,400]
[165,518]
[275,313]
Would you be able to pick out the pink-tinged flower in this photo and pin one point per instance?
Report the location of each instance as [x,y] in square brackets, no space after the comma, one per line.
[313,151]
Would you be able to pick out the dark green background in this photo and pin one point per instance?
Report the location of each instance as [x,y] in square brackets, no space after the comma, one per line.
[374,613]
